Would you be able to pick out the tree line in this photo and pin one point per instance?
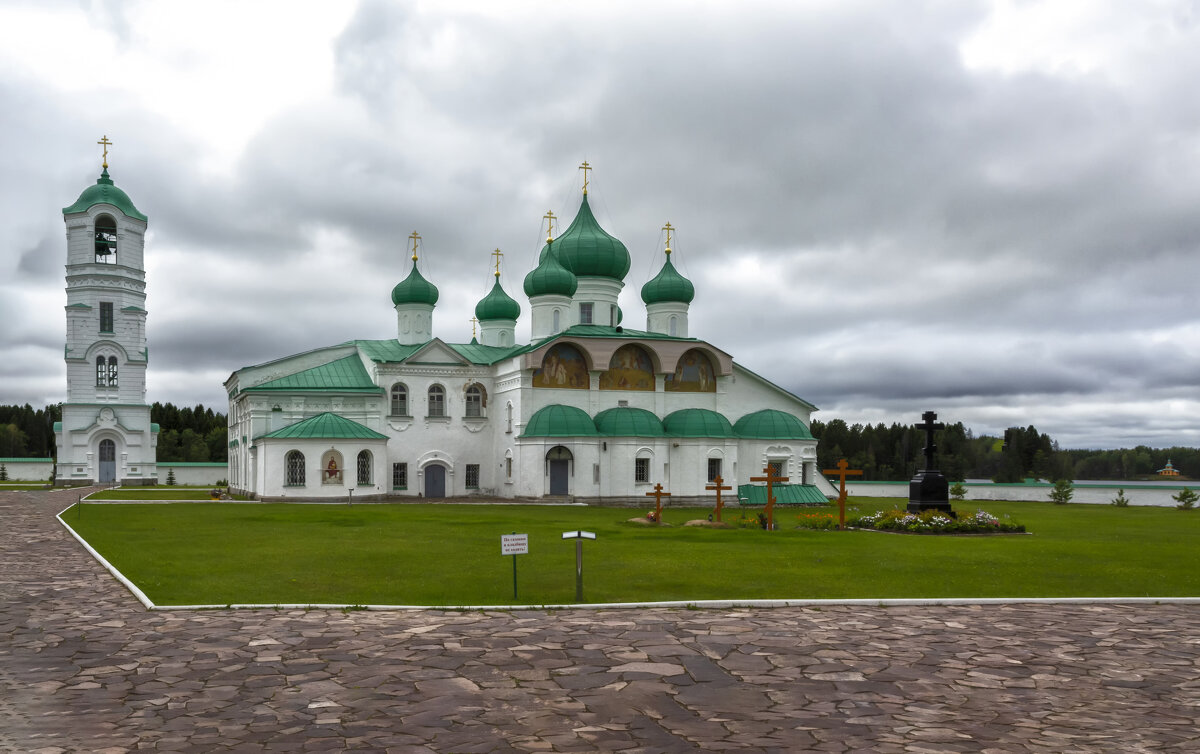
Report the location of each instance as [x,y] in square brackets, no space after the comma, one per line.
[185,434]
[896,453]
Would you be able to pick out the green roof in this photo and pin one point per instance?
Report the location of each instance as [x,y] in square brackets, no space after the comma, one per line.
[550,277]
[344,375]
[697,422]
[497,305]
[105,192]
[785,494]
[479,354]
[668,285]
[415,289]
[604,331]
[26,460]
[387,350]
[625,421]
[586,249]
[392,351]
[324,426]
[557,420]
[771,424]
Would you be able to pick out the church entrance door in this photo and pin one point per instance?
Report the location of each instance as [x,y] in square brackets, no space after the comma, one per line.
[108,461]
[435,480]
[559,460]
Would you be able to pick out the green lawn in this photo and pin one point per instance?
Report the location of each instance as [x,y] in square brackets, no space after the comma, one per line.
[155,493]
[221,553]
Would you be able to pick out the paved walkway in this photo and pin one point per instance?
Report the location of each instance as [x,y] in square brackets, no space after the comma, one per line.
[83,668]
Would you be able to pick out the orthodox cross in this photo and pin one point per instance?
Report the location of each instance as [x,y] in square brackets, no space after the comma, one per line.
[772,478]
[106,144]
[658,495]
[473,322]
[549,225]
[497,254]
[930,427]
[668,229]
[718,484]
[843,470]
[585,167]
[415,237]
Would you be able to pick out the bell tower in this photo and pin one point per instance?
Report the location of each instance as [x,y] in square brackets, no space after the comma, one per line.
[105,435]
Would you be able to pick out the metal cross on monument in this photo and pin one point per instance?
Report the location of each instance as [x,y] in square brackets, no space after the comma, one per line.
[718,484]
[928,489]
[658,495]
[772,477]
[843,470]
[930,427]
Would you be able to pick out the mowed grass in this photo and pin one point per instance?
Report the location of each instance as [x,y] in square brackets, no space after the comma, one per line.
[156,493]
[449,555]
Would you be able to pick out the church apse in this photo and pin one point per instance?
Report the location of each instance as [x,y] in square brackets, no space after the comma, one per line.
[629,369]
[693,374]
[562,367]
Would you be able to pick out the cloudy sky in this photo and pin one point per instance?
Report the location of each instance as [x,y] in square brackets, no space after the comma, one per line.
[988,209]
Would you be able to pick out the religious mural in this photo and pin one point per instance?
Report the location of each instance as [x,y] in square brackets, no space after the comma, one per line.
[629,369]
[562,367]
[693,374]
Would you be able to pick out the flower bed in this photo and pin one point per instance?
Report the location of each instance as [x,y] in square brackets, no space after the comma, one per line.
[929,522]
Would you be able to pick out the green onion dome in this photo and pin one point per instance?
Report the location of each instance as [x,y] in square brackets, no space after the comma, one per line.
[668,285]
[550,277]
[626,421]
[770,424]
[105,192]
[587,250]
[414,289]
[697,422]
[557,420]
[497,305]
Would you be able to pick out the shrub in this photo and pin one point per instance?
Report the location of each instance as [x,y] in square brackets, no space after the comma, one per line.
[1063,491]
[958,491]
[3,473]
[1120,500]
[1186,499]
[170,477]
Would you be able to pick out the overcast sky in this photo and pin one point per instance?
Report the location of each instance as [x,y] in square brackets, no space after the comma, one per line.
[987,209]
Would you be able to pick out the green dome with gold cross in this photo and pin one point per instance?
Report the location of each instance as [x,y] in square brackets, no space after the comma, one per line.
[586,249]
[497,305]
[415,289]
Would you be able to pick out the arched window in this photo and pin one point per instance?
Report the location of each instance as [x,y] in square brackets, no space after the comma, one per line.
[474,401]
[101,372]
[556,317]
[112,371]
[674,328]
[364,467]
[294,462]
[399,399]
[106,240]
[437,400]
[509,411]
[331,467]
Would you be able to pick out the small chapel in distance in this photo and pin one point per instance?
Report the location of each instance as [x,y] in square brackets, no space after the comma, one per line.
[588,410]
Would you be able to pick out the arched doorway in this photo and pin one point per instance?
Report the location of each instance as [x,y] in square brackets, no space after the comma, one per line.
[435,480]
[558,461]
[108,461]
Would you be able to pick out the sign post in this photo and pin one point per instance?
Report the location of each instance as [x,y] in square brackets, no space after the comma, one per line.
[514,544]
[578,536]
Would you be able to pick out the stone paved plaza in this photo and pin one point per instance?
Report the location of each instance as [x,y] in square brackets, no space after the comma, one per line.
[85,668]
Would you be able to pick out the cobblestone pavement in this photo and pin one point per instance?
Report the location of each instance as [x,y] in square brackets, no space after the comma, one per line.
[83,667]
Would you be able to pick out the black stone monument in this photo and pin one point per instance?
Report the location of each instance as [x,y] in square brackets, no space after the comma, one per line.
[929,489]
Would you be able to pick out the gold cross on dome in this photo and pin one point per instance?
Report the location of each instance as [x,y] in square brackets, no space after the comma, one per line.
[585,167]
[106,144]
[473,323]
[668,229]
[549,217]
[415,237]
[497,254]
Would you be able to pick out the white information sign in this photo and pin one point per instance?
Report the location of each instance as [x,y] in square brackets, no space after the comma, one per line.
[514,544]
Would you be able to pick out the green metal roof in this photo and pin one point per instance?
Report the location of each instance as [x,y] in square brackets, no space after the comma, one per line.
[550,277]
[79,305]
[771,424]
[586,249]
[668,285]
[479,354]
[604,331]
[385,351]
[557,420]
[625,421]
[326,426]
[26,460]
[415,289]
[785,494]
[697,422]
[105,192]
[497,305]
[346,375]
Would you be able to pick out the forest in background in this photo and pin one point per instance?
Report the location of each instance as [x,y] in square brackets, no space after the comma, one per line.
[884,453]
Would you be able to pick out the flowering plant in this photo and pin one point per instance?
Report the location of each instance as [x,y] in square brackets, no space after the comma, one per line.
[934,522]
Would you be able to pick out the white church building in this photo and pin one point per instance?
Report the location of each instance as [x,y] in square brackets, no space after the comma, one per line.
[587,410]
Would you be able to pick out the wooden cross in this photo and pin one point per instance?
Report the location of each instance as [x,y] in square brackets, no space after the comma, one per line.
[106,144]
[772,477]
[415,237]
[668,229]
[930,427]
[843,470]
[718,484]
[585,167]
[497,254]
[550,218]
[658,495]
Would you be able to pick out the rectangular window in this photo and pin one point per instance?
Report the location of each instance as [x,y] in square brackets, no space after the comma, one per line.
[641,470]
[508,467]
[612,315]
[595,473]
[714,468]
[776,467]
[585,313]
[399,476]
[106,316]
[472,476]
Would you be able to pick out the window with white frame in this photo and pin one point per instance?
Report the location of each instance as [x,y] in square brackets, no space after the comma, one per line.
[472,476]
[106,316]
[474,401]
[641,470]
[714,468]
[294,469]
[437,400]
[585,313]
[399,399]
[776,467]
[399,476]
[364,468]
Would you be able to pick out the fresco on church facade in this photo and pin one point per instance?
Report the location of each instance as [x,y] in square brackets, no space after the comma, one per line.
[629,369]
[562,367]
[693,374]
